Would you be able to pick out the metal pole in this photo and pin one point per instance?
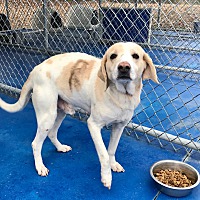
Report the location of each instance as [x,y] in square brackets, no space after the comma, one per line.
[45,24]
[136,3]
[179,69]
[165,136]
[99,3]
[7,12]
[10,88]
[159,11]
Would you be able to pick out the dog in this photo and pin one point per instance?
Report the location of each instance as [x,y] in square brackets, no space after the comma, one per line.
[56,21]
[108,88]
[5,26]
[53,18]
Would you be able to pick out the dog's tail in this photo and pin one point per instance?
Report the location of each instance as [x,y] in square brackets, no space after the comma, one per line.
[23,99]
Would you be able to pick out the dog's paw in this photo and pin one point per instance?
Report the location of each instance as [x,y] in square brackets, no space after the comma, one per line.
[107,180]
[42,170]
[64,148]
[116,167]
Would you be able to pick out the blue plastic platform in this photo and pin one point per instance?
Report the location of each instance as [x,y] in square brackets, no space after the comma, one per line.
[76,174]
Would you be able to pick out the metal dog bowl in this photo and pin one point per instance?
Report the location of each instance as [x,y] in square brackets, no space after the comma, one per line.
[188,170]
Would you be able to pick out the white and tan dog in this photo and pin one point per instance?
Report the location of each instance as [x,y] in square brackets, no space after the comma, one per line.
[108,88]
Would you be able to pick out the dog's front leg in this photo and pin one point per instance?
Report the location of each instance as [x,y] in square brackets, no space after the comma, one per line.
[117,130]
[95,131]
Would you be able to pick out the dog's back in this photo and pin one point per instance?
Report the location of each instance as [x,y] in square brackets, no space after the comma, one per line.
[71,74]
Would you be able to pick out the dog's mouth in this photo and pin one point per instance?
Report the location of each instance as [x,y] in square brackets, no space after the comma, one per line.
[124,77]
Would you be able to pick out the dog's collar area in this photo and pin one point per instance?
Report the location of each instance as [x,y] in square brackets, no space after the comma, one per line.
[122,88]
[127,93]
[125,85]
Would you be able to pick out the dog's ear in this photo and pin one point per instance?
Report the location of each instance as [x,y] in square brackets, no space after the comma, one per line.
[102,73]
[150,71]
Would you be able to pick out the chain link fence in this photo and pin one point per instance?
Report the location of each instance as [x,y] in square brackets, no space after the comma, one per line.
[169,115]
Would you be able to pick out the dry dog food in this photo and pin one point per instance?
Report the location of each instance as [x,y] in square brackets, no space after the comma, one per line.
[173,178]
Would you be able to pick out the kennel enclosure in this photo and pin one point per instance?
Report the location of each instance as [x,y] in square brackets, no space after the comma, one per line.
[168,114]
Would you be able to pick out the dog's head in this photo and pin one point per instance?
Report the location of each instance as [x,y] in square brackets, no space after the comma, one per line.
[125,63]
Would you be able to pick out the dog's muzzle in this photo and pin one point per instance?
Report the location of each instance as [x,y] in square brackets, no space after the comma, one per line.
[124,69]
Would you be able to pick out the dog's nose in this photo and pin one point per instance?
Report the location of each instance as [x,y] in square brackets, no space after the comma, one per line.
[124,67]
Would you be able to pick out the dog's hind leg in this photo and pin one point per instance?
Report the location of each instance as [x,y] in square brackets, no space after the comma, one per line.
[37,148]
[46,113]
[53,133]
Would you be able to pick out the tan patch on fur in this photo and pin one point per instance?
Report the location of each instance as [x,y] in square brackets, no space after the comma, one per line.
[80,71]
[150,71]
[99,89]
[49,61]
[74,74]
[48,74]
[62,81]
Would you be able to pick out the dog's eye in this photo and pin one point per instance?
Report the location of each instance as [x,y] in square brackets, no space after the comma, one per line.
[113,56]
[135,56]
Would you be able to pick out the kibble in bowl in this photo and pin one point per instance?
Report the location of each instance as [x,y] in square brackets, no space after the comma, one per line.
[174,178]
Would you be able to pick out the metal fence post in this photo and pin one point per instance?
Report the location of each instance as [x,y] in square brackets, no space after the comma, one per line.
[46,43]
[159,12]
[7,11]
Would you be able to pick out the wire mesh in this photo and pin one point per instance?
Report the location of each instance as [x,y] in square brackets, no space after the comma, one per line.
[31,31]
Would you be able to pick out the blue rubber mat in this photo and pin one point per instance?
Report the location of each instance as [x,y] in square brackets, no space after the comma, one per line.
[76,174]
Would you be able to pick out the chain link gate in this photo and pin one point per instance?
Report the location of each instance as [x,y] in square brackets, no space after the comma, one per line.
[169,30]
